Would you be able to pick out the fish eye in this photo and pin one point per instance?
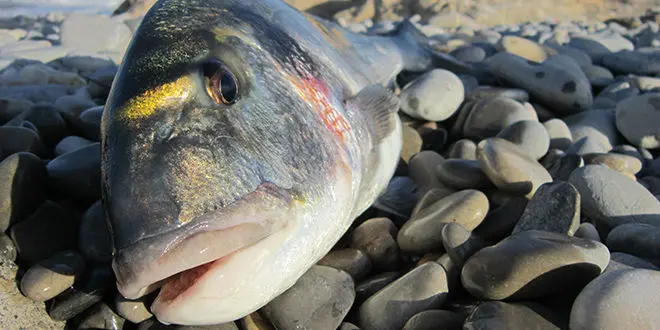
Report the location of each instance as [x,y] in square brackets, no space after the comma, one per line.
[221,83]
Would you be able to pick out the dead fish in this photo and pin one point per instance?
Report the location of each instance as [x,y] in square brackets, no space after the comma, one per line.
[240,140]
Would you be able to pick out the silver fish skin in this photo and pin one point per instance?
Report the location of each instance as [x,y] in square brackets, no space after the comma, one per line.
[240,140]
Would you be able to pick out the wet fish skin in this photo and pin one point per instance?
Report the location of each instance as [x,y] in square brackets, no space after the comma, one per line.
[228,205]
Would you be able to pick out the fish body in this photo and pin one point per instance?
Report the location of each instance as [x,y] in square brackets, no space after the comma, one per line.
[240,140]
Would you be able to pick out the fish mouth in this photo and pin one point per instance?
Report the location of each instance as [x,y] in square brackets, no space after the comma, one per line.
[177,260]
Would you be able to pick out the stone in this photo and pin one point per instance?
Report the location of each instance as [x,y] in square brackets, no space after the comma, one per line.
[348,326]
[412,143]
[532,264]
[599,45]
[352,261]
[489,92]
[619,299]
[370,285]
[320,299]
[598,125]
[462,174]
[7,249]
[598,76]
[554,208]
[398,199]
[10,108]
[490,116]
[48,121]
[254,321]
[580,57]
[463,149]
[94,239]
[90,123]
[640,62]
[36,93]
[563,90]
[19,139]
[469,54]
[73,105]
[421,168]
[78,173]
[50,277]
[423,232]
[618,162]
[588,231]
[134,311]
[524,48]
[376,238]
[84,294]
[49,230]
[435,319]
[460,243]
[529,135]
[434,96]
[611,199]
[502,315]
[422,288]
[71,143]
[641,154]
[560,135]
[620,260]
[638,239]
[500,222]
[509,168]
[637,119]
[110,34]
[24,177]
[101,316]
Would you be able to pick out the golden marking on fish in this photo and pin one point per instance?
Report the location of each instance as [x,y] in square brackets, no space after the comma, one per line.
[333,35]
[194,183]
[146,104]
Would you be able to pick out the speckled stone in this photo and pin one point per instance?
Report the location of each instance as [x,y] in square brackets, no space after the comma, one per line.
[555,208]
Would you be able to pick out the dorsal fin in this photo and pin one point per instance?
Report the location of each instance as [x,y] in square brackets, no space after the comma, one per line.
[380,107]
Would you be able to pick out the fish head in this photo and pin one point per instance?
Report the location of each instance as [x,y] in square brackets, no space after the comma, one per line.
[219,177]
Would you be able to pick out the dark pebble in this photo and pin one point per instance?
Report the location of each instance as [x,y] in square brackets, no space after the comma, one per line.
[23,176]
[78,173]
[83,295]
[17,139]
[94,237]
[100,316]
[555,207]
[497,315]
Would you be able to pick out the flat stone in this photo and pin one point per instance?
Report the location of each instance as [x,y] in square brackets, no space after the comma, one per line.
[101,316]
[94,239]
[78,173]
[463,149]
[543,261]
[579,56]
[376,238]
[134,311]
[641,154]
[73,105]
[50,277]
[435,319]
[501,315]
[529,135]
[320,299]
[554,208]
[611,199]
[509,168]
[619,299]
[588,231]
[638,239]
[618,162]
[422,288]
[423,232]
[637,118]
[490,116]
[434,96]
[36,93]
[355,262]
[462,174]
[559,133]
[24,176]
[564,91]
[524,48]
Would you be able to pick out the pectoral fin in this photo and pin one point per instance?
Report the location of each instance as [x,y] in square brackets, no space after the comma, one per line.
[380,107]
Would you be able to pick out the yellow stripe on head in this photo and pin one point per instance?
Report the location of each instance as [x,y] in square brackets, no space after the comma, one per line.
[146,104]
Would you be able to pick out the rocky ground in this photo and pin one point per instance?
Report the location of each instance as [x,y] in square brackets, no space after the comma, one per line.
[527,196]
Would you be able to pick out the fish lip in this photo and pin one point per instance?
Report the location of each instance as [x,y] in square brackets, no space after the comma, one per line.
[143,265]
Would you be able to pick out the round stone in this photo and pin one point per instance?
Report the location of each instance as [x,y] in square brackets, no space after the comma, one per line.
[490,116]
[588,231]
[622,299]
[639,239]
[320,299]
[50,277]
[462,174]
[423,232]
[559,133]
[20,139]
[554,208]
[434,96]
[463,149]
[509,168]
[618,162]
[524,48]
[392,306]
[469,54]
[376,238]
[435,319]
[501,315]
[24,179]
[530,136]
[598,76]
[533,264]
[135,311]
[352,261]
[599,126]
[637,119]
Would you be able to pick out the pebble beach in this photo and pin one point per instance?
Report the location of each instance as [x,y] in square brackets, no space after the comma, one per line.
[527,194]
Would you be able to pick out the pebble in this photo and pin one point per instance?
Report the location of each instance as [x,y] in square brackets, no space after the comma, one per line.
[422,288]
[641,62]
[110,34]
[637,119]
[490,116]
[509,168]
[434,96]
[460,243]
[348,326]
[489,92]
[542,262]
[622,299]
[554,208]
[618,162]
[598,76]
[588,231]
[639,239]
[599,45]
[101,316]
[376,238]
[70,143]
[560,135]
[24,176]
[580,57]
[529,135]
[524,48]
[19,139]
[463,149]
[7,249]
[611,199]
[134,311]
[412,143]
[369,286]
[10,108]
[422,233]
[50,277]
[435,319]
[50,229]
[502,315]
[355,262]
[94,239]
[469,54]
[596,125]
[36,93]
[642,155]
[90,123]
[500,222]
[327,294]
[462,174]
[620,260]
[85,294]
[73,105]
[422,169]
[564,91]
[78,173]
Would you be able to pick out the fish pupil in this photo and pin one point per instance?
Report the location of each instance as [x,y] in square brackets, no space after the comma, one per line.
[228,87]
[221,84]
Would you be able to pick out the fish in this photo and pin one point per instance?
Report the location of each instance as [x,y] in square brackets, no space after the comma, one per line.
[240,140]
